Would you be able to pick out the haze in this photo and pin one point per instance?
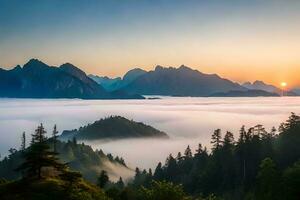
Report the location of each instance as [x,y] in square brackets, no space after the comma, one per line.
[188,121]
[239,40]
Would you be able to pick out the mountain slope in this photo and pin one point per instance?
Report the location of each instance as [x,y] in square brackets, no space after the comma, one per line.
[113,128]
[132,75]
[109,84]
[113,84]
[181,81]
[38,80]
[53,188]
[260,85]
[80,157]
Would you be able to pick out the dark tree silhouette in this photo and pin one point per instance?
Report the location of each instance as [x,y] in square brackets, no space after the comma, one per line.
[54,138]
[23,142]
[39,156]
[216,139]
[103,179]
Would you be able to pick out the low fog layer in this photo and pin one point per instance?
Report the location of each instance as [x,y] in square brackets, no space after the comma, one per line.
[185,120]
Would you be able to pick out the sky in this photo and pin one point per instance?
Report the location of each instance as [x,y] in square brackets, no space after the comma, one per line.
[237,39]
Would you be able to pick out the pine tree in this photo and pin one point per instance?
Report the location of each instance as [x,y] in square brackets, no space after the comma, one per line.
[150,172]
[23,142]
[137,173]
[39,135]
[228,139]
[179,157]
[103,179]
[199,150]
[120,184]
[242,137]
[54,138]
[188,152]
[216,139]
[158,173]
[39,156]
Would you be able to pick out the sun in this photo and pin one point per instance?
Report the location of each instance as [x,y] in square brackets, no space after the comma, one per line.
[283,84]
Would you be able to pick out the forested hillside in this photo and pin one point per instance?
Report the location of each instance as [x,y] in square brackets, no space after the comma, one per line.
[260,164]
[80,157]
[114,127]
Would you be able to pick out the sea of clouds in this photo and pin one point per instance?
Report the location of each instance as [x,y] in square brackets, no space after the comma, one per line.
[186,120]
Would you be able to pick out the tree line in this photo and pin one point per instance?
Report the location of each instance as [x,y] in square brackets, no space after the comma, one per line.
[260,164]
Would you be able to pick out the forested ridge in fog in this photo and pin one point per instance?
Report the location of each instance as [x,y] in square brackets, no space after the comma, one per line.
[113,127]
[260,164]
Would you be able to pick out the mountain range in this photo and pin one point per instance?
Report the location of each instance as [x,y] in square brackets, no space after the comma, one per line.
[184,81]
[112,84]
[296,91]
[260,85]
[39,80]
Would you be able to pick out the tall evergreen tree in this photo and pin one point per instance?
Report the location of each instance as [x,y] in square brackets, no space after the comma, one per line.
[242,136]
[216,139]
[103,179]
[158,173]
[23,142]
[39,156]
[54,137]
[179,157]
[188,152]
[228,140]
[39,135]
[199,150]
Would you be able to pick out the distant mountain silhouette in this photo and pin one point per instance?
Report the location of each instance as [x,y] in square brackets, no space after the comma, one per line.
[38,80]
[115,127]
[296,91]
[113,84]
[248,93]
[132,75]
[182,81]
[260,85]
[109,84]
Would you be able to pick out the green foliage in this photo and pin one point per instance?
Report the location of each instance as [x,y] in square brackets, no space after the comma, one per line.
[246,169]
[269,181]
[291,180]
[260,165]
[57,183]
[70,177]
[80,157]
[38,156]
[103,179]
[114,127]
[49,189]
[216,139]
[163,190]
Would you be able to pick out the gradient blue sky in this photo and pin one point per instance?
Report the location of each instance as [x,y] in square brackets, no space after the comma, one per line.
[240,40]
